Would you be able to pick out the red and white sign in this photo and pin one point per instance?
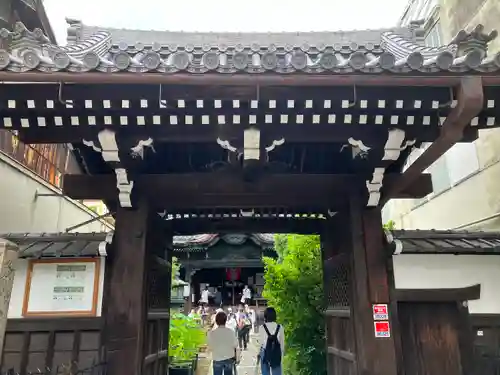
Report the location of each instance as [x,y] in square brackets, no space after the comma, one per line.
[382,329]
[380,312]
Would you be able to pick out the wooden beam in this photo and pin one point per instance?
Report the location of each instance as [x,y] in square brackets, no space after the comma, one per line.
[470,100]
[241,79]
[247,225]
[219,190]
[273,79]
[293,133]
[470,293]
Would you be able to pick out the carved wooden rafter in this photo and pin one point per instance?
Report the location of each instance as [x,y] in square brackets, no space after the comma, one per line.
[109,149]
[393,147]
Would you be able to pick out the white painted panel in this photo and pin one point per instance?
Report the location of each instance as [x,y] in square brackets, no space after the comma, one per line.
[413,271]
[62,287]
[17,297]
[19,287]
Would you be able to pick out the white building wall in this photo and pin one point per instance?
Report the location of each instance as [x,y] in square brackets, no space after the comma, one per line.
[418,271]
[410,272]
[22,211]
[19,288]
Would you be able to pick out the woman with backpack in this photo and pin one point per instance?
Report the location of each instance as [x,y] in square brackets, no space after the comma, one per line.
[244,326]
[271,339]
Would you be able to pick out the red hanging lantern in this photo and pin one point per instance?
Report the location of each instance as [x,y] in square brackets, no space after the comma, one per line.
[233,274]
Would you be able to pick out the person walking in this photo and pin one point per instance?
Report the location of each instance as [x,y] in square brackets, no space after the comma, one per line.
[223,345]
[244,325]
[246,295]
[204,297]
[252,315]
[271,339]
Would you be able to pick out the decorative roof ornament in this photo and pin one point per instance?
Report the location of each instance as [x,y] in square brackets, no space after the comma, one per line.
[74,30]
[20,37]
[418,30]
[475,40]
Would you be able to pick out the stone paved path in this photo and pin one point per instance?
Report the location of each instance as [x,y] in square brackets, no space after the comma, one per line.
[248,358]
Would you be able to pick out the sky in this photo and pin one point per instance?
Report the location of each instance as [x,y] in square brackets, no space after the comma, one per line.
[226,15]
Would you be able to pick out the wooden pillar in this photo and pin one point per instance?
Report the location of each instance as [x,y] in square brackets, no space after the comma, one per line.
[125,300]
[370,286]
[158,298]
[336,257]
[8,254]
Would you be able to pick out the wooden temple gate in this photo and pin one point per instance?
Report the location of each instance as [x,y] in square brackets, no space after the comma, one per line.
[260,138]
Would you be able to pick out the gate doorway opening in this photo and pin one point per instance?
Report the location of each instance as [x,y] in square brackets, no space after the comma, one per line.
[230,282]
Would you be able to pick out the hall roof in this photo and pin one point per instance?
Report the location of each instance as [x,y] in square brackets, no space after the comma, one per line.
[50,245]
[370,51]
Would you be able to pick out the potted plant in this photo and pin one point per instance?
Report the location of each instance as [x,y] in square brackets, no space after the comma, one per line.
[186,339]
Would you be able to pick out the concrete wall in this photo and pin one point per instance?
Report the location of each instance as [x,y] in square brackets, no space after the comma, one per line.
[21,211]
[19,288]
[452,271]
[474,202]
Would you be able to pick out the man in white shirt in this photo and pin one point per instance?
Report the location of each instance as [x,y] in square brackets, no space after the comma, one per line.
[271,366]
[204,296]
[223,344]
[246,295]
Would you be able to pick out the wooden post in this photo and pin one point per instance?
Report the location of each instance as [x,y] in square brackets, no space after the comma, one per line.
[370,285]
[8,254]
[125,312]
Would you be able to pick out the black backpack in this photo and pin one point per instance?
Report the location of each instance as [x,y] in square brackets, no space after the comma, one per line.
[272,351]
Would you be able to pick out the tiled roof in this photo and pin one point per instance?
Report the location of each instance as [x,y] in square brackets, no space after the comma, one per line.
[78,31]
[394,54]
[47,245]
[443,242]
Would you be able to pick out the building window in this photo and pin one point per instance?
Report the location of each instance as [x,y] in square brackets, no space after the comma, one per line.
[433,36]
[462,161]
[457,164]
[48,161]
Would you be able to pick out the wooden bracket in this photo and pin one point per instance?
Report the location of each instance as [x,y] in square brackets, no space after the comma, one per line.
[470,100]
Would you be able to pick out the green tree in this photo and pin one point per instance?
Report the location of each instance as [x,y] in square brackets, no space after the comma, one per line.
[390,225]
[175,268]
[294,287]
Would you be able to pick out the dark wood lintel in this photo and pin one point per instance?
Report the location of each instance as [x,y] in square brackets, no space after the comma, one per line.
[219,190]
[438,295]
[293,133]
[248,225]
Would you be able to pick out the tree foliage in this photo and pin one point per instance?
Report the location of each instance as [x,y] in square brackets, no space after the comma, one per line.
[185,338]
[175,268]
[390,225]
[294,287]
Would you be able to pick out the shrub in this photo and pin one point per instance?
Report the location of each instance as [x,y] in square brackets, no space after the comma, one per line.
[186,338]
[294,287]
